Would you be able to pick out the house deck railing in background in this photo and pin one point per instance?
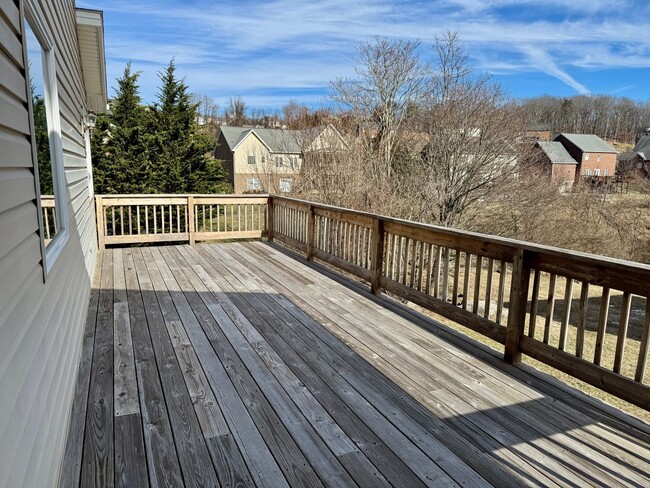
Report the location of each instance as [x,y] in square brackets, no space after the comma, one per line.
[50,227]
[518,294]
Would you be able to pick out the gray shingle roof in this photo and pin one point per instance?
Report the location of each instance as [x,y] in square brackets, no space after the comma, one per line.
[643,147]
[556,152]
[589,143]
[278,140]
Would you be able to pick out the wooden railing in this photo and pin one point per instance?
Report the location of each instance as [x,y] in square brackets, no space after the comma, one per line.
[49,217]
[585,315]
[133,219]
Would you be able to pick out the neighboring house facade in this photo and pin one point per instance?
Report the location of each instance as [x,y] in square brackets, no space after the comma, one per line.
[45,280]
[594,156]
[537,132]
[637,160]
[557,162]
[268,160]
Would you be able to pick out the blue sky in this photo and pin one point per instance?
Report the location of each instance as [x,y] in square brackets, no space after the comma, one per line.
[275,50]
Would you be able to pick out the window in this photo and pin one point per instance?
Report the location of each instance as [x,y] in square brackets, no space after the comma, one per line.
[588,172]
[279,161]
[586,156]
[263,159]
[598,157]
[597,172]
[285,185]
[294,161]
[251,159]
[253,184]
[44,105]
[605,172]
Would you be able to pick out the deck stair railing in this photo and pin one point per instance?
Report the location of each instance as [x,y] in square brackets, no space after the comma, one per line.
[585,315]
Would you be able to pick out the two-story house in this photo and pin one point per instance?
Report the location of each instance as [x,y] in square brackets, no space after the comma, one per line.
[555,161]
[638,159]
[268,160]
[594,156]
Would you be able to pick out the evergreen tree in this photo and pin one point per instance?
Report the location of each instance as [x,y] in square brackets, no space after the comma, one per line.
[181,157]
[42,145]
[122,142]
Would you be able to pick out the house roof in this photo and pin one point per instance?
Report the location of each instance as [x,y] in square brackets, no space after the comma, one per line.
[556,152]
[629,155]
[538,127]
[90,33]
[643,147]
[588,143]
[276,140]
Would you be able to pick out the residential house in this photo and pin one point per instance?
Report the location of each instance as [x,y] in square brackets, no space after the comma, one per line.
[594,156]
[537,132]
[46,264]
[268,160]
[556,162]
[638,159]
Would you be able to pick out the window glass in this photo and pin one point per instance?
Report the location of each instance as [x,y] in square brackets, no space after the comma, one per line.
[47,140]
[285,185]
[251,159]
[253,184]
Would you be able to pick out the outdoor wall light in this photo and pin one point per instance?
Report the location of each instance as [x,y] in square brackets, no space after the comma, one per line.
[89,121]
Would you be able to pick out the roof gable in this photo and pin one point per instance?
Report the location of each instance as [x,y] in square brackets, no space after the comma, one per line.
[643,146]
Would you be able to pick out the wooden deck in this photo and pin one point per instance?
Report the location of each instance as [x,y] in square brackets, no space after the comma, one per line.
[240,365]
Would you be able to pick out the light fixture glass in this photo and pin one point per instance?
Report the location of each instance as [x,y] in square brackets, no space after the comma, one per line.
[90,120]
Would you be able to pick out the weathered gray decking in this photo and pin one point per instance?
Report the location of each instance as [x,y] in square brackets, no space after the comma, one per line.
[236,364]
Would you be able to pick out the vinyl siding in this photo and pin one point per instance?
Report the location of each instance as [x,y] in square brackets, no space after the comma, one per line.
[41,324]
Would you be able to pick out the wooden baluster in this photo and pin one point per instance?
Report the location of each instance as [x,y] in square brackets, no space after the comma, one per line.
[454,290]
[566,313]
[146,219]
[394,260]
[488,289]
[550,308]
[468,268]
[178,219]
[445,275]
[232,217]
[477,283]
[436,273]
[413,266]
[171,222]
[130,222]
[121,220]
[429,269]
[622,331]
[405,262]
[113,220]
[270,210]
[55,227]
[644,346]
[532,323]
[501,293]
[582,318]
[137,217]
[602,325]
[155,219]
[421,265]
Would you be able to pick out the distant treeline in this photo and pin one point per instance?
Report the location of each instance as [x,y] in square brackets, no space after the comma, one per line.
[613,118]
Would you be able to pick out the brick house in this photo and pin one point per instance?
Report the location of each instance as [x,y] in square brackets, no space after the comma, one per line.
[636,161]
[555,161]
[594,156]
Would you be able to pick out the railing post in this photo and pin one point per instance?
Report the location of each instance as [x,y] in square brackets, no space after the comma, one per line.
[99,209]
[190,215]
[377,255]
[311,222]
[270,223]
[517,309]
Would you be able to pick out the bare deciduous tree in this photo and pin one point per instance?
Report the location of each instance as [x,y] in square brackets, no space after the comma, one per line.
[236,111]
[390,79]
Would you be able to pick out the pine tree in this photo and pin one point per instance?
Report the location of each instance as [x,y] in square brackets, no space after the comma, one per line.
[122,142]
[42,145]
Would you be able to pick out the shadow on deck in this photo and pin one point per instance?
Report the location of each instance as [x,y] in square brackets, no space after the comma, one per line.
[238,365]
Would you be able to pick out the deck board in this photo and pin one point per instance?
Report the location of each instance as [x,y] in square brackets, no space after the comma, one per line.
[240,364]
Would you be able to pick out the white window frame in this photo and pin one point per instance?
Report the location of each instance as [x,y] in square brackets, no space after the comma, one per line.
[285,181]
[251,159]
[293,161]
[587,172]
[586,156]
[53,250]
[253,184]
[605,172]
[598,158]
[597,172]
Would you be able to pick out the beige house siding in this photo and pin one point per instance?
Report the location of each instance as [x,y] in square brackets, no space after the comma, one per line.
[267,170]
[41,324]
